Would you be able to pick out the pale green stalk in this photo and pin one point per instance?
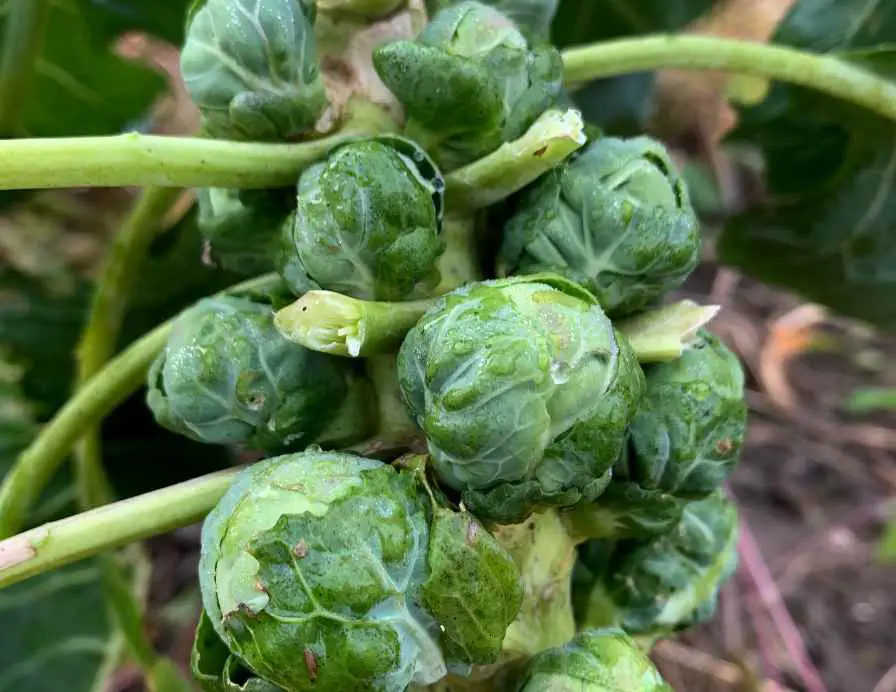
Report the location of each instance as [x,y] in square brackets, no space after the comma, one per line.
[825,73]
[550,140]
[74,538]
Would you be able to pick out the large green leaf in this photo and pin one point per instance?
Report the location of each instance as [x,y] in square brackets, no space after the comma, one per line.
[57,634]
[827,229]
[620,105]
[80,87]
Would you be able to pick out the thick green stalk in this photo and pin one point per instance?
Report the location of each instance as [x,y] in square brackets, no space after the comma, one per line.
[825,73]
[551,139]
[107,311]
[119,379]
[22,41]
[152,160]
[74,538]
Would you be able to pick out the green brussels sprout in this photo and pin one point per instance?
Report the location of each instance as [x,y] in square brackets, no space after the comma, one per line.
[243,227]
[524,391]
[252,68]
[684,442]
[616,218]
[653,588]
[368,222]
[470,82]
[596,660]
[328,571]
[226,376]
[532,17]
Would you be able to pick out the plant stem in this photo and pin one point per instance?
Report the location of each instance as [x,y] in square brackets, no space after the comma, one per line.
[825,73]
[120,378]
[107,311]
[65,541]
[22,41]
[153,160]
[553,137]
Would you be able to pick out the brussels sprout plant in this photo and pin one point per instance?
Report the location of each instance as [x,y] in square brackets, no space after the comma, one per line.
[467,436]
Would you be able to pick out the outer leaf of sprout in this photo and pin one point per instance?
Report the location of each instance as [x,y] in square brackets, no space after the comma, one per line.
[596,660]
[367,223]
[617,219]
[653,588]
[524,391]
[491,84]
[226,376]
[252,68]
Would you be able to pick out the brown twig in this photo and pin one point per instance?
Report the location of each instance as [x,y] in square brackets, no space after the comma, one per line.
[721,671]
[758,572]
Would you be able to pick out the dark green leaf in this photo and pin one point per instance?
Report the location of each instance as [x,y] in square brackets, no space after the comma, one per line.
[80,87]
[620,105]
[165,19]
[218,670]
[586,21]
[826,228]
[57,635]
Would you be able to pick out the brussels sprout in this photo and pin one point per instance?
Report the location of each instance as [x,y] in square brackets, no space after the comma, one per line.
[656,587]
[617,219]
[469,82]
[252,68]
[368,222]
[227,376]
[532,17]
[329,571]
[243,227]
[684,442]
[524,391]
[596,660]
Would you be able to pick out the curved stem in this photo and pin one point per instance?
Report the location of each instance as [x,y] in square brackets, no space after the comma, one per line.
[22,40]
[65,541]
[104,323]
[121,377]
[824,73]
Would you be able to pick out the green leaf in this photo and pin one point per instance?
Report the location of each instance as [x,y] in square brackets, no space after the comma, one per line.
[870,400]
[57,634]
[586,21]
[80,87]
[826,228]
[620,105]
[165,20]
[887,548]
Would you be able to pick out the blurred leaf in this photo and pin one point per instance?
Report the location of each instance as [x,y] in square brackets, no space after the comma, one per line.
[80,87]
[827,228]
[871,399]
[887,549]
[165,20]
[586,21]
[57,634]
[620,105]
